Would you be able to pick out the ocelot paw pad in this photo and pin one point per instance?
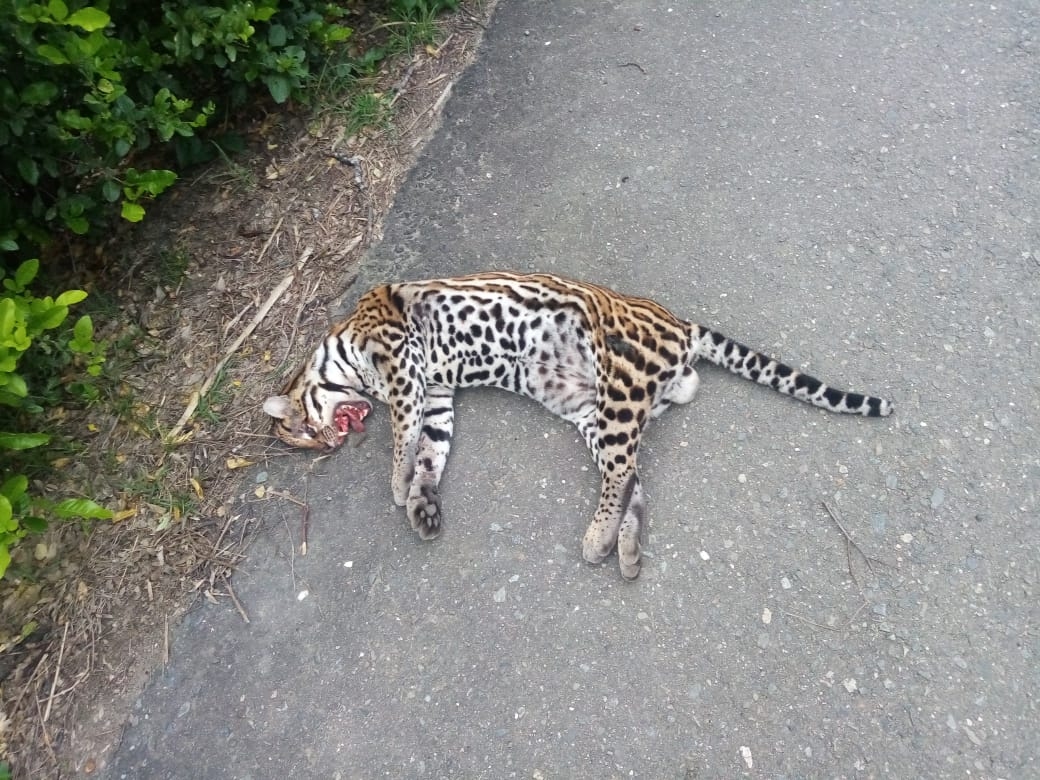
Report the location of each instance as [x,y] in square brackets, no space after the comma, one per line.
[424,512]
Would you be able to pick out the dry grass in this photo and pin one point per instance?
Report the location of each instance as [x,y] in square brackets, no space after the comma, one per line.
[282,228]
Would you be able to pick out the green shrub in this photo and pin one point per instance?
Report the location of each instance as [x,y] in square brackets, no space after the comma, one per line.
[90,91]
[25,319]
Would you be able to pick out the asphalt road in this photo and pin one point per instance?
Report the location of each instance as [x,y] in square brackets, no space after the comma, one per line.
[851,186]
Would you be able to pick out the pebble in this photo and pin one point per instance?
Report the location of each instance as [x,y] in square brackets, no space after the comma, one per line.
[261,478]
[891,481]
[938,496]
[785,583]
[500,595]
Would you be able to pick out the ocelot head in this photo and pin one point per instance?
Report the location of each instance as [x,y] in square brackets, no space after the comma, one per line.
[314,415]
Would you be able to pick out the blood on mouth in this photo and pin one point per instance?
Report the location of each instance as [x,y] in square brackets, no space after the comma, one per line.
[350,417]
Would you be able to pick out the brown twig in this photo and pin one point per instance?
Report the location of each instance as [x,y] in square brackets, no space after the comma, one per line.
[305,520]
[214,372]
[57,671]
[850,544]
[234,599]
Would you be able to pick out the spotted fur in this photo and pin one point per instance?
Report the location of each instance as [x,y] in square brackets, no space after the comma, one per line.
[604,361]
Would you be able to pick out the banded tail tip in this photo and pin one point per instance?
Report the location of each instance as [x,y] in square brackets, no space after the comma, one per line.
[879,407]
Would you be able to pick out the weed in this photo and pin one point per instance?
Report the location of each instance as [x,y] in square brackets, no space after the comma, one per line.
[366,109]
[212,403]
[236,174]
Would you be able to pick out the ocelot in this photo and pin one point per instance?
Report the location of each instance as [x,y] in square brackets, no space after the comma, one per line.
[606,362]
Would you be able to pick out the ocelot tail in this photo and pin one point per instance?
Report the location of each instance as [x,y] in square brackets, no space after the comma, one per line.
[604,361]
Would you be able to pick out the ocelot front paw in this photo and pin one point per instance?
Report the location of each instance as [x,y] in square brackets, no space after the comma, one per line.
[424,510]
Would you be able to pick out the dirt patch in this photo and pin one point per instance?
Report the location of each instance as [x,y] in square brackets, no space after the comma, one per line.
[219,293]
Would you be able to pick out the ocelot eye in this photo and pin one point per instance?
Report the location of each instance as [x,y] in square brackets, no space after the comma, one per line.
[310,430]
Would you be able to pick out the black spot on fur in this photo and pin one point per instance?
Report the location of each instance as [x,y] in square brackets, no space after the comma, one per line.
[806,382]
[854,400]
[434,434]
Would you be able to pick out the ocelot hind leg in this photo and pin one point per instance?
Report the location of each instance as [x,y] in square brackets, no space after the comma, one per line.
[622,507]
[424,501]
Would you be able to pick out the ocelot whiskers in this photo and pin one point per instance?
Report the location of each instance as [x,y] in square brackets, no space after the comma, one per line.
[606,362]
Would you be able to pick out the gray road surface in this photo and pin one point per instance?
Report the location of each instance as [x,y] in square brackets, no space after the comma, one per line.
[852,186]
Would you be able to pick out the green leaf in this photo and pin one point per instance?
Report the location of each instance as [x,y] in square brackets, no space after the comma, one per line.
[70,297]
[75,120]
[14,488]
[277,35]
[27,168]
[22,441]
[83,330]
[150,182]
[279,86]
[26,273]
[81,507]
[89,19]
[8,244]
[35,525]
[52,54]
[78,225]
[5,559]
[132,212]
[39,93]
[15,385]
[48,318]
[110,190]
[58,9]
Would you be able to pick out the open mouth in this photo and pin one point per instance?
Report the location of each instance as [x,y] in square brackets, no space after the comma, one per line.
[350,416]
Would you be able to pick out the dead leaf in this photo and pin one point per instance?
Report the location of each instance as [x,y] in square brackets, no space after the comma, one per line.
[124,514]
[237,463]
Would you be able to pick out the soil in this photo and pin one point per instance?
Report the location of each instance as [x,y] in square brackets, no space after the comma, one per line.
[214,298]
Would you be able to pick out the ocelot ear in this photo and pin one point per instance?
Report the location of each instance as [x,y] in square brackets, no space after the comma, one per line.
[278,406]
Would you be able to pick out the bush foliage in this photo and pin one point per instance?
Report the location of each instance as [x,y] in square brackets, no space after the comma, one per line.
[87,88]
[25,319]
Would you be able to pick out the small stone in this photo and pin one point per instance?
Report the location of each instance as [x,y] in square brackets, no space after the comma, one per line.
[261,478]
[850,684]
[938,496]
[762,640]
[642,616]
[906,538]
[767,616]
[705,556]
[745,753]
[785,583]
[891,481]
[741,478]
[500,595]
